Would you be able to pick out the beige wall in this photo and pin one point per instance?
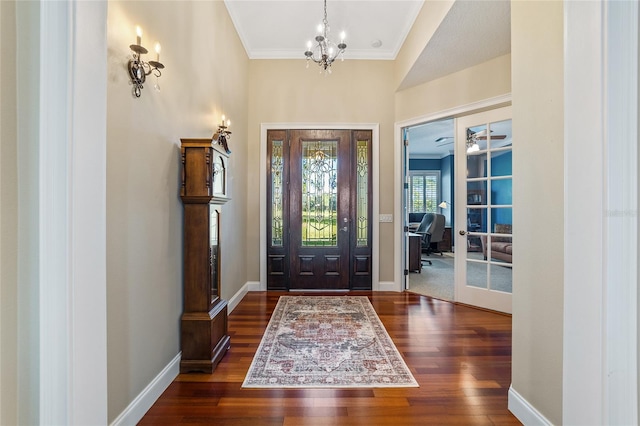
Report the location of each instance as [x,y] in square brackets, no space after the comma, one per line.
[477,83]
[538,170]
[144,248]
[205,76]
[286,91]
[8,218]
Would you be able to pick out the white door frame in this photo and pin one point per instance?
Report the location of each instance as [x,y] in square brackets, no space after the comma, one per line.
[399,234]
[375,176]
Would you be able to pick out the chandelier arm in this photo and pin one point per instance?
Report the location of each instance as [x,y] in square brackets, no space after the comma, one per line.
[326,51]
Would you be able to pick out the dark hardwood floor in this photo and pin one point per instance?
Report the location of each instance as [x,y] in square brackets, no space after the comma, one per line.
[460,356]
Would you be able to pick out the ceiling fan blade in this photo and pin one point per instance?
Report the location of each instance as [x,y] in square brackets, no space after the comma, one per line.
[443,138]
[484,138]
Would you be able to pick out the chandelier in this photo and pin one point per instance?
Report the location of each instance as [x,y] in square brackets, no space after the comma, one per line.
[325,51]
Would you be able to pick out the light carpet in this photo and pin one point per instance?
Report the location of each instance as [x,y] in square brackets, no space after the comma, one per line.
[326,342]
[437,279]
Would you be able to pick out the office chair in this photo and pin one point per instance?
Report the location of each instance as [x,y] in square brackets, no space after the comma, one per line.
[431,229]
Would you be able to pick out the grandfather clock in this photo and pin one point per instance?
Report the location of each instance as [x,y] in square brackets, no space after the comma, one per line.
[204,336]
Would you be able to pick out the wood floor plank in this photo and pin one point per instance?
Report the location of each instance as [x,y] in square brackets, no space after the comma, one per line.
[460,356]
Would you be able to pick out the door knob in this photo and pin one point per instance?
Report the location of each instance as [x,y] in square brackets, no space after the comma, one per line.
[462,232]
[344,229]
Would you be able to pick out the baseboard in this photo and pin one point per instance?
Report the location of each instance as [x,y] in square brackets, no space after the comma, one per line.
[254,285]
[143,402]
[149,395]
[236,298]
[524,411]
[388,286]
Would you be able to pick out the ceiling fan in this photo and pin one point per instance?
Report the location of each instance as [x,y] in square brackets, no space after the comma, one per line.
[480,135]
[444,140]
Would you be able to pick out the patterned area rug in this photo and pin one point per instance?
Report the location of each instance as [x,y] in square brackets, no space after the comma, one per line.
[326,341]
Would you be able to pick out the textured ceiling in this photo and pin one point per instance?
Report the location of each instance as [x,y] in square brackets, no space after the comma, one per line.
[472,32]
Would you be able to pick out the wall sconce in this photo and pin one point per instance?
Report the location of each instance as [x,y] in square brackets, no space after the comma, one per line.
[139,69]
[222,134]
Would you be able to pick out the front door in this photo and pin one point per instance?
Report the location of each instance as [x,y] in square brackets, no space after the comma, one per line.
[319,233]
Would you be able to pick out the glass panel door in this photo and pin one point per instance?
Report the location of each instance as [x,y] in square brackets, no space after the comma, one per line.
[484,198]
[319,164]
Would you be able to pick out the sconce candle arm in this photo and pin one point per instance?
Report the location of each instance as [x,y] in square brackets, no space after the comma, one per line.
[139,69]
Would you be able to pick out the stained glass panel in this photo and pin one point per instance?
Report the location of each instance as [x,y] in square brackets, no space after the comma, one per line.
[319,193]
[277,169]
[362,193]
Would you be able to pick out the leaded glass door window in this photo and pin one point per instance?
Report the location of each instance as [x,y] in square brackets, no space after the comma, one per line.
[319,198]
[319,193]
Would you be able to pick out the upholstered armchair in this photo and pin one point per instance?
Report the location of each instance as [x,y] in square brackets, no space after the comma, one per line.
[501,247]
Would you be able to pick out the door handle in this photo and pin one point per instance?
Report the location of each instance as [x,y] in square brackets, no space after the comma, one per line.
[345,229]
[462,232]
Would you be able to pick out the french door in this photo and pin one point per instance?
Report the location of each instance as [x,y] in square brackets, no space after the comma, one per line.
[319,210]
[484,200]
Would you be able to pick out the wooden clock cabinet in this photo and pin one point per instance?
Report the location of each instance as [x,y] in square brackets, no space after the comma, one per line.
[204,337]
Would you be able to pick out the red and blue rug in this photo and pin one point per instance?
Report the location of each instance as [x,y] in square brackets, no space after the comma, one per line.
[327,342]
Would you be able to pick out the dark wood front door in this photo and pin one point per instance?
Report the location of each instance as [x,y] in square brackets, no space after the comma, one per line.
[319,199]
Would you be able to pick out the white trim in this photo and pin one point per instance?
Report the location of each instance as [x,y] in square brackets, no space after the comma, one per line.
[71,209]
[54,213]
[253,285]
[524,411]
[149,395]
[600,294]
[375,171]
[458,111]
[235,300]
[88,206]
[585,318]
[621,212]
[398,178]
[389,286]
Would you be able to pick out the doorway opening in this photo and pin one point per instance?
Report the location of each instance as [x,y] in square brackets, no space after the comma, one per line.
[470,179]
[429,191]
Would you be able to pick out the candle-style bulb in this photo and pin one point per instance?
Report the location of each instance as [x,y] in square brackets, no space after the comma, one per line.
[138,35]
[223,120]
[342,37]
[158,49]
[228,123]
[309,44]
